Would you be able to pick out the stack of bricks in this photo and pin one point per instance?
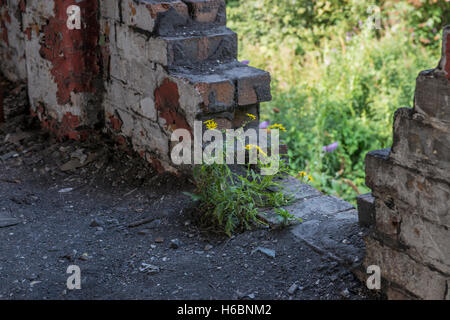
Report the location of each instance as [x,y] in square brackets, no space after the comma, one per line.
[139,68]
[408,211]
[171,63]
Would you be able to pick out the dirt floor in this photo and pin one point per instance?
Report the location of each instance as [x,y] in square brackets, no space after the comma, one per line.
[131,233]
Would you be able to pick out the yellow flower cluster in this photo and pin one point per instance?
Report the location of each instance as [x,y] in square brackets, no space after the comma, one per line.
[252,146]
[277,126]
[251,116]
[211,124]
[303,174]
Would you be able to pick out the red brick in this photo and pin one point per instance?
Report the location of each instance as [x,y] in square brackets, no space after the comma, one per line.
[216,94]
[168,105]
[179,6]
[253,85]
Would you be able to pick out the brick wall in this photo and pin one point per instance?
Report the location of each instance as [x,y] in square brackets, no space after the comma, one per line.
[141,69]
[409,209]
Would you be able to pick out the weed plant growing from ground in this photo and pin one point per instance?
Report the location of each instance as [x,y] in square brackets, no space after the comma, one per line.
[230,197]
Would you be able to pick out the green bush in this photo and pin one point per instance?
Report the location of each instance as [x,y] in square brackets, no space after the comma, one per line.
[334,79]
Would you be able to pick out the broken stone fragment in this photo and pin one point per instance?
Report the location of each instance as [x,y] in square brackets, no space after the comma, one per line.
[149,268]
[268,252]
[7,221]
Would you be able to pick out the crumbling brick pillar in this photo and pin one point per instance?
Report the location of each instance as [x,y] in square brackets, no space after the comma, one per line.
[409,210]
[167,64]
[63,65]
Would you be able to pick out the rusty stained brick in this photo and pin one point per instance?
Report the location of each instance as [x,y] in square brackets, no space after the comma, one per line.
[216,95]
[168,106]
[178,6]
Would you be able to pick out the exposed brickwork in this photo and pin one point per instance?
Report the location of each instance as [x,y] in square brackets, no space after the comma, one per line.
[167,104]
[140,68]
[158,75]
[410,217]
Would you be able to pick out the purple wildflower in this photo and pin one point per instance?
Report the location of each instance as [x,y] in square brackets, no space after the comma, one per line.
[331,147]
[245,62]
[264,125]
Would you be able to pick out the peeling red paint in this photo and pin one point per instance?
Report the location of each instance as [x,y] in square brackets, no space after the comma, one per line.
[116,123]
[74,54]
[167,104]
[447,55]
[22,5]
[68,127]
[28,33]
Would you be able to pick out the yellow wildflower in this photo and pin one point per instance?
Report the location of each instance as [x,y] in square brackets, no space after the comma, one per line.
[310,178]
[252,146]
[211,124]
[277,126]
[302,174]
[251,116]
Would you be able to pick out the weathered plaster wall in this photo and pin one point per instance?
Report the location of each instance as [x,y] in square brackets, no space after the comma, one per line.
[409,210]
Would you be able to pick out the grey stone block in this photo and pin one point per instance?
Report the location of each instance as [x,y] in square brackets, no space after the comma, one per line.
[398,268]
[421,146]
[366,210]
[432,97]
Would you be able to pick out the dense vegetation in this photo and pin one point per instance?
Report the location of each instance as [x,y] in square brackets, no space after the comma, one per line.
[336,77]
